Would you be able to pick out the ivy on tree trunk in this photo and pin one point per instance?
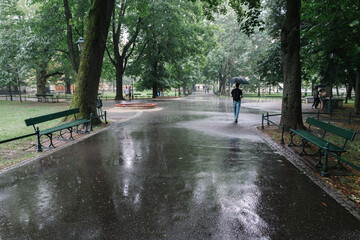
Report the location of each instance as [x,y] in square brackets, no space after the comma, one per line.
[291,115]
[88,78]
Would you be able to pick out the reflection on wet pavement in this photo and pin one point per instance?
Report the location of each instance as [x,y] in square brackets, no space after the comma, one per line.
[186,172]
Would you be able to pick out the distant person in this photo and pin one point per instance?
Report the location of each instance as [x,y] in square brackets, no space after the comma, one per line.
[322,95]
[316,98]
[126,91]
[236,95]
[130,93]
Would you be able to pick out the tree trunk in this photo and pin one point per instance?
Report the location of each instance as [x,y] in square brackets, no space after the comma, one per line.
[119,81]
[184,87]
[88,78]
[291,115]
[155,89]
[349,90]
[69,37]
[19,86]
[10,92]
[41,79]
[67,85]
[357,90]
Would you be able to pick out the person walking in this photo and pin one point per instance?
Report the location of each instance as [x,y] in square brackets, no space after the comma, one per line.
[236,95]
[322,97]
[130,93]
[316,98]
[126,91]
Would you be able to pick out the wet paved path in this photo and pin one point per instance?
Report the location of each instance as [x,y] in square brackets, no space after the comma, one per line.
[185,172]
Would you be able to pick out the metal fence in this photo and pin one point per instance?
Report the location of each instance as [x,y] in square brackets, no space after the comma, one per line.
[266,117]
[37,133]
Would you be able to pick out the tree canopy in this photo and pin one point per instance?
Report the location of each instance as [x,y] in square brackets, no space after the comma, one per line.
[173,44]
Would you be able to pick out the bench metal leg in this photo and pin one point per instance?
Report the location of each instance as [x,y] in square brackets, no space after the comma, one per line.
[86,129]
[303,151]
[319,164]
[38,147]
[51,145]
[291,140]
[291,143]
[324,170]
[66,139]
[338,163]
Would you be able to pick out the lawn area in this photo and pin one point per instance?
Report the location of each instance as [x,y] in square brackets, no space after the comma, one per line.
[13,114]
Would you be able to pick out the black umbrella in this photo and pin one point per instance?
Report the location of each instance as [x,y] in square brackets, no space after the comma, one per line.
[240,80]
[320,85]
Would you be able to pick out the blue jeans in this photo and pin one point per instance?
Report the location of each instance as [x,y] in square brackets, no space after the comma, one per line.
[236,106]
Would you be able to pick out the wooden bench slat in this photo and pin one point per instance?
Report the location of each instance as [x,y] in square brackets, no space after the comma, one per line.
[52,116]
[325,147]
[339,131]
[64,126]
[319,142]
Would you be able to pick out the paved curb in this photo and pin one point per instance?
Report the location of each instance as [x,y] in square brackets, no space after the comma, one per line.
[298,162]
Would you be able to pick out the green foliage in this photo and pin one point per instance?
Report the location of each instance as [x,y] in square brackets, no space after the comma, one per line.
[330,27]
[13,47]
[236,53]
[175,35]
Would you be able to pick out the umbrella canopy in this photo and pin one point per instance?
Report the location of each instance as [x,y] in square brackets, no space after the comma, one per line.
[320,85]
[240,80]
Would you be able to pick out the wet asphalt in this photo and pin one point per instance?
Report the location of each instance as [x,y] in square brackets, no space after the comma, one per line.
[185,171]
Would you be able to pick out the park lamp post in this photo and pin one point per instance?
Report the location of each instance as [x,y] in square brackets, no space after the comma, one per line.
[80,43]
[331,57]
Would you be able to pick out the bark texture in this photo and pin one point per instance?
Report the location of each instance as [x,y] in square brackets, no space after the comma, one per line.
[291,115]
[88,78]
[69,37]
[41,79]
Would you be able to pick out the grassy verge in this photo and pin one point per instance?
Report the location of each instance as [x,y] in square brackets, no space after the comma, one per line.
[12,125]
[347,182]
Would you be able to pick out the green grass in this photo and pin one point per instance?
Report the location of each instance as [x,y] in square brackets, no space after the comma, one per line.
[12,121]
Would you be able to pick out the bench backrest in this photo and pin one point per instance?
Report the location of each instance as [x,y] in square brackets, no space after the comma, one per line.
[52,116]
[44,95]
[328,127]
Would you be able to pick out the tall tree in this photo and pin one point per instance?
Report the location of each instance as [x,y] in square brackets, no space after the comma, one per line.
[125,30]
[291,115]
[74,26]
[88,78]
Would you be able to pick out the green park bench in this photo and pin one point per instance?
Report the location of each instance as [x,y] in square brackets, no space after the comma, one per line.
[325,148]
[47,97]
[137,95]
[66,126]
